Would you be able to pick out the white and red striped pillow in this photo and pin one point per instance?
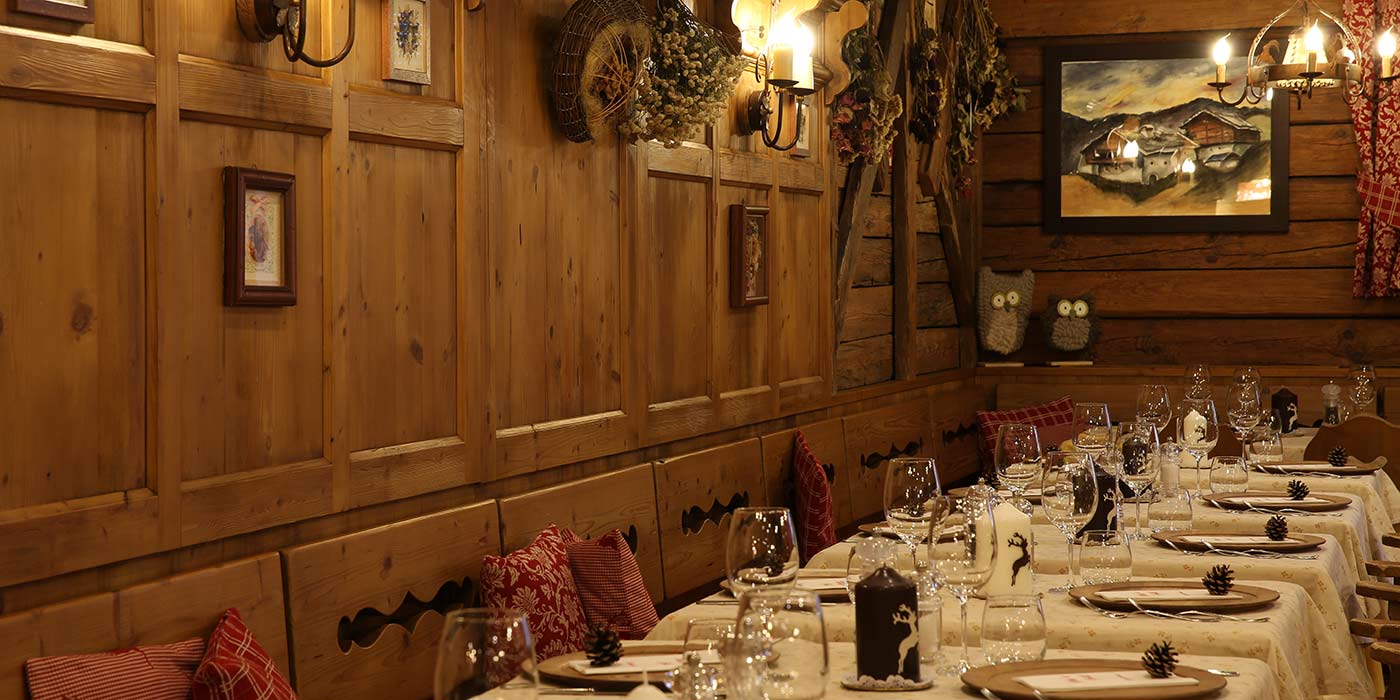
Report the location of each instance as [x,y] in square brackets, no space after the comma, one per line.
[162,672]
[610,584]
[816,524]
[236,667]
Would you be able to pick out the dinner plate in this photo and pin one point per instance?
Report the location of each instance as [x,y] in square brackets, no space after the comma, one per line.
[1033,497]
[1242,501]
[1250,597]
[1002,680]
[559,671]
[1285,468]
[1296,542]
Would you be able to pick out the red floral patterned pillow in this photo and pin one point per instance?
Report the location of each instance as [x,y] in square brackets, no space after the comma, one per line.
[816,524]
[537,581]
[236,667]
[610,584]
[150,673]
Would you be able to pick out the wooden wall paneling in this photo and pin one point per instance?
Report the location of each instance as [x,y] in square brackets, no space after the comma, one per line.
[955,434]
[742,360]
[827,440]
[1034,18]
[215,91]
[695,493]
[69,68]
[364,67]
[592,507]
[117,20]
[799,297]
[375,571]
[209,29]
[872,438]
[864,362]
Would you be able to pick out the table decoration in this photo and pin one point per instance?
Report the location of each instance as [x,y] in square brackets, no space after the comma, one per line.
[1008,681]
[1016,540]
[603,646]
[1171,597]
[1337,456]
[1298,490]
[1203,541]
[1160,660]
[1219,580]
[1277,528]
[887,627]
[1274,502]
[1285,405]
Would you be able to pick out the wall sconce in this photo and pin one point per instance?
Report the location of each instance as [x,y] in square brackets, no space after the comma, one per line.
[786,65]
[265,20]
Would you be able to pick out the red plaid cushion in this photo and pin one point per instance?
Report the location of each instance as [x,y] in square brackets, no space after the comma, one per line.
[236,667]
[816,524]
[536,581]
[144,673]
[610,584]
[1052,420]
[1380,199]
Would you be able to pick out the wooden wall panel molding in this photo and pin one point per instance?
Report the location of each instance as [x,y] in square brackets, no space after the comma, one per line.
[75,68]
[214,91]
[706,484]
[231,504]
[399,471]
[56,538]
[391,116]
[690,161]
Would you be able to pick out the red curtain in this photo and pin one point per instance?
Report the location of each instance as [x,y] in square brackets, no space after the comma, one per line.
[1377,272]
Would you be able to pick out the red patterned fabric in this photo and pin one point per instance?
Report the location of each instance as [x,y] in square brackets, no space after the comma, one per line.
[236,667]
[537,581]
[144,673]
[816,524]
[610,584]
[1053,421]
[1377,270]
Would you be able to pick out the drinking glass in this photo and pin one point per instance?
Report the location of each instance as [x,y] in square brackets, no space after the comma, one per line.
[1263,446]
[1104,556]
[779,648]
[1243,407]
[1248,375]
[481,649]
[910,484]
[1017,458]
[761,551]
[963,547]
[1154,405]
[867,555]
[1198,382]
[1198,431]
[707,635]
[1091,427]
[1013,629]
[1363,388]
[1171,512]
[1069,494]
[1228,475]
[1140,449]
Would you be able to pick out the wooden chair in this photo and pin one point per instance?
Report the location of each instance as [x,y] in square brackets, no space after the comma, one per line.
[1384,630]
[1365,438]
[366,609]
[875,437]
[624,499]
[828,442]
[165,611]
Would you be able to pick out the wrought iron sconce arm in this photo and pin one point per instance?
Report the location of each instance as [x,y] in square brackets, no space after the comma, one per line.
[265,20]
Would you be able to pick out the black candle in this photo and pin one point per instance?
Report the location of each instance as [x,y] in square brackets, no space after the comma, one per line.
[887,626]
[1285,405]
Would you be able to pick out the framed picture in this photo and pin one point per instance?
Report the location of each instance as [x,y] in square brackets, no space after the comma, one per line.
[260,241]
[407,47]
[748,255]
[71,10]
[803,149]
[1136,141]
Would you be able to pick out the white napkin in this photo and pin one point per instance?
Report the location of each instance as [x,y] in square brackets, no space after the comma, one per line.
[649,663]
[821,584]
[1165,594]
[1274,500]
[1235,539]
[1101,680]
[1307,466]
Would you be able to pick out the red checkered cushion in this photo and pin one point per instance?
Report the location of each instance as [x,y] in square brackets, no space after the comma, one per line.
[1053,421]
[236,667]
[536,581]
[816,524]
[1380,199]
[144,673]
[610,584]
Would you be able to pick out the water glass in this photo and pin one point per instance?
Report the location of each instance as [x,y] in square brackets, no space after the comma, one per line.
[867,555]
[779,648]
[707,635]
[1104,557]
[911,484]
[1263,446]
[1171,512]
[1229,475]
[1091,428]
[480,649]
[1013,629]
[1154,405]
[761,550]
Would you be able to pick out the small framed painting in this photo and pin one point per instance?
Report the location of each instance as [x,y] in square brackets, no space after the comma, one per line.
[71,10]
[748,255]
[260,251]
[407,47]
[802,147]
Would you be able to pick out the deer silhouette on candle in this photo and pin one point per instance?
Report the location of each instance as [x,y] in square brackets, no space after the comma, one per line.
[905,616]
[1019,541]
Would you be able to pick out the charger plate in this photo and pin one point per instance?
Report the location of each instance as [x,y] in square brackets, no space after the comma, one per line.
[1002,680]
[558,671]
[1241,501]
[1298,542]
[1361,469]
[1253,598]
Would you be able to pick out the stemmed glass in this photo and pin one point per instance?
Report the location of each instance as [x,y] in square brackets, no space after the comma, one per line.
[1154,405]
[1017,458]
[911,483]
[963,547]
[1091,427]
[1069,494]
[761,550]
[1242,406]
[1197,382]
[1140,448]
[482,649]
[779,647]
[1198,431]
[1363,389]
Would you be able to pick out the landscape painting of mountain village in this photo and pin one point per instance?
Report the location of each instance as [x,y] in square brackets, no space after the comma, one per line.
[1149,138]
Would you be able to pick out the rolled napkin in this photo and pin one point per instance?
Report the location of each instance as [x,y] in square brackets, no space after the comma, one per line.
[1101,680]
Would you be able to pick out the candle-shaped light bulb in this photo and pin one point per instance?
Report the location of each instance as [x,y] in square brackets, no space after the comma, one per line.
[1312,43]
[1269,94]
[1221,54]
[782,52]
[1188,167]
[802,44]
[1385,46]
[1131,150]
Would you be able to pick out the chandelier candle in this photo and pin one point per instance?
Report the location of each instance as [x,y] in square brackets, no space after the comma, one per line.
[1385,47]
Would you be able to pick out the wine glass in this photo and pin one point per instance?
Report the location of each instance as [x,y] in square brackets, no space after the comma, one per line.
[1104,557]
[866,557]
[1242,406]
[1154,405]
[1363,389]
[1198,381]
[910,484]
[1198,431]
[480,649]
[963,548]
[1013,629]
[779,648]
[1017,458]
[1248,375]
[761,551]
[1140,448]
[1228,475]
[1091,427]
[1069,494]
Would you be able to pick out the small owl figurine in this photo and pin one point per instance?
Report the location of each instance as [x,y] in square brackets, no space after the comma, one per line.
[1003,309]
[1070,324]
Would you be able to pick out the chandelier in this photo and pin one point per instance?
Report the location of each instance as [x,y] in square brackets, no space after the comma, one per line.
[1320,52]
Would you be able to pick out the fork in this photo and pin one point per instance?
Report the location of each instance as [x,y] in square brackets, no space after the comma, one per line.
[1196,615]
[1258,553]
[1286,511]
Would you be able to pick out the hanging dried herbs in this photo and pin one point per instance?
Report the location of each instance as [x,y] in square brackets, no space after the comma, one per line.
[926,95]
[863,116]
[688,80]
[983,87]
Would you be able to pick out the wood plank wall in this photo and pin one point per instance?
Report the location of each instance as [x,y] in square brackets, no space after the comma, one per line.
[483,307]
[1190,297]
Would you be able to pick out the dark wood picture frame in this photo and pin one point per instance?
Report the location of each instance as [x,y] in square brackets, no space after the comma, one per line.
[59,10]
[1275,221]
[237,292]
[742,220]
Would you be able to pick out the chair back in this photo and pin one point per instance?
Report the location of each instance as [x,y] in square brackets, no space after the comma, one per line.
[875,437]
[1365,437]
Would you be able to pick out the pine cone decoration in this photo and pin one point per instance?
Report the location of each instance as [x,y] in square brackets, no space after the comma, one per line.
[1160,660]
[603,646]
[1338,456]
[1277,528]
[1219,580]
[1298,490]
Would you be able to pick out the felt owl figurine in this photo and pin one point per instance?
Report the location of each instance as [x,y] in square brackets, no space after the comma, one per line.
[1070,323]
[1003,309]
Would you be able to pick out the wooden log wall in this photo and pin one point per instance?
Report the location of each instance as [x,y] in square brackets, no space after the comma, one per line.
[483,307]
[1255,298]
